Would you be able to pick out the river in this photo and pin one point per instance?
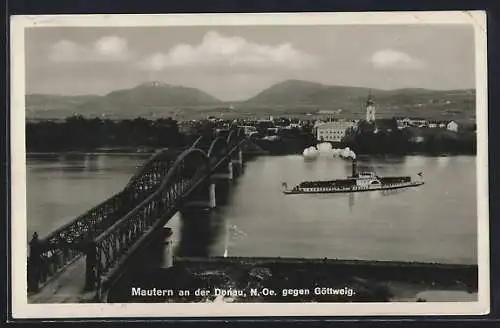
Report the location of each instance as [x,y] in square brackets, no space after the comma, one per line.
[436,222]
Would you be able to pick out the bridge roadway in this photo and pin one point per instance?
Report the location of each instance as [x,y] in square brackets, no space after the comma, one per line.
[80,261]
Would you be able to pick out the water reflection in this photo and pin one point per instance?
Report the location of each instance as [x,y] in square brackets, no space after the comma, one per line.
[436,222]
[391,192]
[352,199]
[232,235]
[416,162]
[373,195]
[388,159]
[309,165]
[442,161]
[84,162]
[93,162]
[72,157]
[43,157]
[200,228]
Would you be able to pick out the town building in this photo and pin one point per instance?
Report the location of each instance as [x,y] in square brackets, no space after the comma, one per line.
[452,126]
[401,124]
[412,122]
[385,125]
[249,129]
[334,131]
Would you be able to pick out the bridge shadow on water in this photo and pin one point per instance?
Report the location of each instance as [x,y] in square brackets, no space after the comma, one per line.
[200,229]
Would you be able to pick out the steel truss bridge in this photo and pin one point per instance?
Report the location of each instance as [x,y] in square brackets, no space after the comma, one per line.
[103,238]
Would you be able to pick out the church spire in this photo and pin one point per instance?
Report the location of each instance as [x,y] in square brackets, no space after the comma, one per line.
[370,108]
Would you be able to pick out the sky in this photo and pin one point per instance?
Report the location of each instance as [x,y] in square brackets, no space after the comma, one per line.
[237,62]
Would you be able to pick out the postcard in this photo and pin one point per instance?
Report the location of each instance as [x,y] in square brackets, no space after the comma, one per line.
[225,165]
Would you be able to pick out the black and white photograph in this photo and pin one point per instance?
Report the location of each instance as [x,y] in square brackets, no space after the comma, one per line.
[249,164]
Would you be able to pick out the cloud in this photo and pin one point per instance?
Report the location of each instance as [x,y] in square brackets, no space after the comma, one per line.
[389,58]
[216,50]
[111,46]
[107,48]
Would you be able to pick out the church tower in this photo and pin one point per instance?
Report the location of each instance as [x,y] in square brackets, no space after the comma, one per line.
[370,109]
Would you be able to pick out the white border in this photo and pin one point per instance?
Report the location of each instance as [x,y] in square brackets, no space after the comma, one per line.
[20,306]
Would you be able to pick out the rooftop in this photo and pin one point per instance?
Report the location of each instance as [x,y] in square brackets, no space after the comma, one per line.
[335,124]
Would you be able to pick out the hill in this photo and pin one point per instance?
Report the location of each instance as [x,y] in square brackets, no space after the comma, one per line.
[40,104]
[297,93]
[303,96]
[293,97]
[142,100]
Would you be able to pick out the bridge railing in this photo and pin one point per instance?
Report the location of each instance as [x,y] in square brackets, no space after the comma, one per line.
[109,220]
[50,255]
[155,163]
[112,246]
[146,184]
[53,253]
[219,148]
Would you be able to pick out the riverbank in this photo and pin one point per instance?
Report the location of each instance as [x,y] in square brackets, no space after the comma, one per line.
[297,280]
[79,133]
[141,152]
[90,153]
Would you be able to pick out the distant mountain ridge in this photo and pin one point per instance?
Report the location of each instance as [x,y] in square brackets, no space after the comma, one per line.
[297,96]
[42,101]
[141,100]
[292,96]
[311,93]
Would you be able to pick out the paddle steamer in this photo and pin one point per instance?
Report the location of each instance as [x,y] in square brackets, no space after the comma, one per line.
[357,182]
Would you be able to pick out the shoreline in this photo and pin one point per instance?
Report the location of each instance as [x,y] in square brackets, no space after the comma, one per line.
[89,153]
[139,153]
[258,279]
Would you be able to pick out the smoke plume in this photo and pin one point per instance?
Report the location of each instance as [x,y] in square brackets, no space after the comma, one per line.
[325,149]
[310,153]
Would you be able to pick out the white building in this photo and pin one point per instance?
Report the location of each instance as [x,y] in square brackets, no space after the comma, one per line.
[415,122]
[249,130]
[452,126]
[404,123]
[333,131]
[293,126]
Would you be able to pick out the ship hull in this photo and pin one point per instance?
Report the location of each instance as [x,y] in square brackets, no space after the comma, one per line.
[333,190]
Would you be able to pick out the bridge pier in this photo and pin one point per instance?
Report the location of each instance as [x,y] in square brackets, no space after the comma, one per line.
[208,194]
[196,232]
[34,265]
[91,277]
[157,254]
[212,199]
[238,157]
[223,179]
[204,197]
[169,254]
[230,170]
[237,162]
[226,173]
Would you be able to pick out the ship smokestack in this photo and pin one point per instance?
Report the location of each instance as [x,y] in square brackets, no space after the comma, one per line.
[354,167]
